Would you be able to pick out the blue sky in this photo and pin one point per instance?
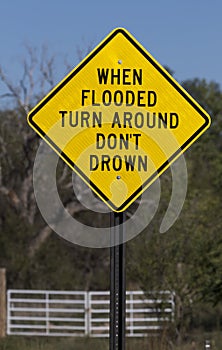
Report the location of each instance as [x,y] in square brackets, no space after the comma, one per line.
[184,35]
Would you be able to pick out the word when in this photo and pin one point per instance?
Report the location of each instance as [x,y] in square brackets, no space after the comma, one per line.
[125,76]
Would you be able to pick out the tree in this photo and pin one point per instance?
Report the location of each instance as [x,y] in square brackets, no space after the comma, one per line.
[24,234]
[187,259]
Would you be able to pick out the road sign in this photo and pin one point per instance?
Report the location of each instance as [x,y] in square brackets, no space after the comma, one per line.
[119,119]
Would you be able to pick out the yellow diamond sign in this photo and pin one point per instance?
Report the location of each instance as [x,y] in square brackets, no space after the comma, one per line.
[119,119]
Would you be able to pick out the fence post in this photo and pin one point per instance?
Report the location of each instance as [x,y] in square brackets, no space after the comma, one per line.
[131,314]
[87,313]
[2,302]
[47,313]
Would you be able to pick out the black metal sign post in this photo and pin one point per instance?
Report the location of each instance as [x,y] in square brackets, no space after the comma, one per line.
[117,283]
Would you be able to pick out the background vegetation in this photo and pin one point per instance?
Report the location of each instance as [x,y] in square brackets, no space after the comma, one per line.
[187,259]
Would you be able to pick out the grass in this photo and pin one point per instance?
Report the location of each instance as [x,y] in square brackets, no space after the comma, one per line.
[195,342]
[43,343]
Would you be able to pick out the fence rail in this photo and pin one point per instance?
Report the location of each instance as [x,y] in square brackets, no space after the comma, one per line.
[78,313]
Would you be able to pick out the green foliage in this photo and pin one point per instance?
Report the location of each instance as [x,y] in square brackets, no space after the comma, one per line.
[62,266]
[54,264]
[13,242]
[188,258]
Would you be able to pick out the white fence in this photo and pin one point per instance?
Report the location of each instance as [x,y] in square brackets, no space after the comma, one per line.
[77,313]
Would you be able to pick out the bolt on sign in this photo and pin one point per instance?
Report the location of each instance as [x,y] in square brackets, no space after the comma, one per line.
[119,119]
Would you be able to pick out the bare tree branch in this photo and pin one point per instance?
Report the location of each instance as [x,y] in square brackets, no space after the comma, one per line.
[18,189]
[14,91]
